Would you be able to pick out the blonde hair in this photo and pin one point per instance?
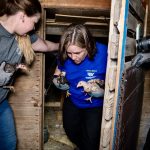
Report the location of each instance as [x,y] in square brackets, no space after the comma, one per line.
[25,46]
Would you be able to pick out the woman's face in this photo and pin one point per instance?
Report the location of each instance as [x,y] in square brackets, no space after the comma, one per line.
[76,53]
[27,24]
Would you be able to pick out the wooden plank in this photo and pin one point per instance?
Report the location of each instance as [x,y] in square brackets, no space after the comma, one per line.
[28,90]
[147,85]
[112,78]
[147,74]
[26,111]
[137,9]
[120,65]
[146,95]
[80,19]
[127,65]
[51,22]
[58,30]
[132,22]
[130,47]
[146,21]
[51,11]
[52,104]
[106,125]
[100,4]
[145,119]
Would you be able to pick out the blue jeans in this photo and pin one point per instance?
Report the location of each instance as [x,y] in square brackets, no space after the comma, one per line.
[7,127]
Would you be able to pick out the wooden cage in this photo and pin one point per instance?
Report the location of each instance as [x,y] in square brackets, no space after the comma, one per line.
[115,22]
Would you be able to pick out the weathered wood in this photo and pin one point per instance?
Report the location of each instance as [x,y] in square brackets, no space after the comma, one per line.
[80,19]
[112,78]
[96,24]
[58,30]
[51,11]
[147,85]
[27,106]
[130,47]
[137,9]
[132,22]
[146,21]
[100,4]
[114,46]
[120,66]
[106,139]
[145,118]
[52,104]
[51,22]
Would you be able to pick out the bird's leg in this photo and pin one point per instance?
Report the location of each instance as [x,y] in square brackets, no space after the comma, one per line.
[67,93]
[89,99]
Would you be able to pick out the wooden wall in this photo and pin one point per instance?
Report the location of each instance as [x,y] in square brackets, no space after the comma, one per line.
[145,119]
[26,103]
[148,23]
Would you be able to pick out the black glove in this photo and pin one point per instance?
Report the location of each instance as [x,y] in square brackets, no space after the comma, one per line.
[140,58]
[60,82]
[4,76]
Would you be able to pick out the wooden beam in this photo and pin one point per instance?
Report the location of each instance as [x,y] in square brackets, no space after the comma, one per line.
[137,9]
[80,19]
[97,4]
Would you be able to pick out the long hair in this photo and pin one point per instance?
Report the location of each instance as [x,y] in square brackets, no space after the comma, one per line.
[30,8]
[25,46]
[79,35]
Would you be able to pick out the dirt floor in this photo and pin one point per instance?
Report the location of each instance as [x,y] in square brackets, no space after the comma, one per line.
[57,138]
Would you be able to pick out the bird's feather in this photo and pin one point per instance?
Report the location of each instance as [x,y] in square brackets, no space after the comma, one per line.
[92,87]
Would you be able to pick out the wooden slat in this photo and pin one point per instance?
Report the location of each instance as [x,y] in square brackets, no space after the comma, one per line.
[132,22]
[80,19]
[51,11]
[52,104]
[58,30]
[127,65]
[27,106]
[100,4]
[120,66]
[147,85]
[27,123]
[137,8]
[130,47]
[51,22]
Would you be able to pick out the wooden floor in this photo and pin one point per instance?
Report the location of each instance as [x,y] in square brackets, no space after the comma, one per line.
[57,137]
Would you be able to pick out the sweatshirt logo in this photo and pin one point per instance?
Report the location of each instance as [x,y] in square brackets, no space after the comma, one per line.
[90,74]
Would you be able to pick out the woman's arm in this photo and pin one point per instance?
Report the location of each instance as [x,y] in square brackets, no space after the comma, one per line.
[44,45]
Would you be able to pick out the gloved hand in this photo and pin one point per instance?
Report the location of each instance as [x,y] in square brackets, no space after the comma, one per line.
[61,83]
[140,59]
[4,76]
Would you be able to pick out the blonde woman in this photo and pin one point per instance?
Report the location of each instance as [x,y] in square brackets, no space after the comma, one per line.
[17,19]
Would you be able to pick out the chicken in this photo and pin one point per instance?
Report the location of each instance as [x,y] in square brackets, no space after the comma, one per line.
[9,68]
[61,82]
[94,87]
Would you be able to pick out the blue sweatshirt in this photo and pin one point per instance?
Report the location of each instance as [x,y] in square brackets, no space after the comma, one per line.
[86,70]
